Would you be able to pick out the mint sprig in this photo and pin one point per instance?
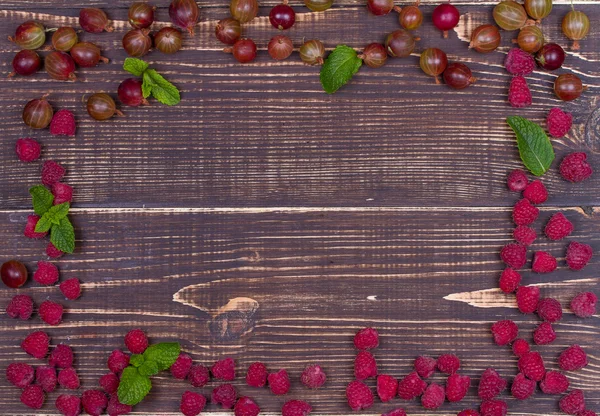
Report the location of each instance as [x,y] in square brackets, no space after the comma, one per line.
[152,82]
[42,199]
[53,218]
[534,145]
[339,67]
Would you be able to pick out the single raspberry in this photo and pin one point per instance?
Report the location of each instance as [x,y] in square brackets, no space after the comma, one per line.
[245,406]
[359,395]
[578,255]
[109,383]
[20,374]
[519,62]
[505,332]
[520,347]
[524,213]
[365,366]
[94,402]
[29,232]
[558,227]
[468,412]
[543,262]
[549,310]
[33,396]
[45,376]
[199,375]
[366,339]
[387,387]
[53,252]
[68,405]
[448,363]
[532,366]
[536,192]
[509,280]
[587,413]
[257,375]
[36,344]
[490,384]
[71,288]
[457,387]
[296,408]
[433,396]
[572,403]
[519,94]
[522,388]
[279,382]
[575,168]
[493,408]
[411,386]
[584,304]
[528,298]
[396,412]
[517,180]
[573,358]
[51,312]
[62,193]
[558,122]
[514,255]
[68,379]
[117,361]
[313,377]
[63,123]
[46,273]
[192,404]
[52,172]
[425,366]
[544,334]
[524,235]
[20,306]
[28,149]
[116,408]
[181,367]
[224,369]
[224,395]
[136,341]
[61,356]
[554,383]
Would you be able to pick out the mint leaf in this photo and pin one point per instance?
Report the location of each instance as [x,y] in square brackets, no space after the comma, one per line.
[164,354]
[42,199]
[161,89]
[133,386]
[52,217]
[339,67]
[146,89]
[149,368]
[534,145]
[62,235]
[135,66]
[136,360]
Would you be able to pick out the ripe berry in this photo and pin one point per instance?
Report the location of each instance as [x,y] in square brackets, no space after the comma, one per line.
[130,92]
[445,17]
[29,35]
[575,26]
[137,43]
[433,397]
[425,366]
[136,341]
[13,273]
[60,66]
[87,55]
[573,358]
[380,7]
[279,382]
[313,377]
[400,43]
[530,39]
[64,38]
[517,180]
[433,62]
[282,16]
[184,14]
[26,63]
[257,375]
[528,298]
[192,403]
[312,52]
[94,20]
[584,304]
[38,113]
[538,9]
[485,38]
[280,47]
[228,30]
[141,15]
[225,395]
[522,388]
[510,15]
[374,55]
[568,87]
[410,17]
[411,386]
[359,395]
[243,10]
[458,76]
[101,106]
[575,168]
[318,5]
[168,40]
[551,56]
[244,50]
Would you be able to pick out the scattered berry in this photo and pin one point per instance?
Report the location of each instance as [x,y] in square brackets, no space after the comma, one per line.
[528,298]
[522,388]
[51,312]
[71,288]
[524,235]
[572,403]
[395,412]
[587,413]
[468,412]
[224,369]
[505,332]
[46,273]
[68,379]
[257,375]
[63,123]
[544,334]
[425,366]
[68,405]
[520,347]
[20,306]
[514,255]
[411,386]
[136,341]
[62,193]
[245,406]
[61,356]
[524,213]
[359,395]
[117,361]
[532,366]
[313,376]
[578,255]
[224,395]
[517,180]
[36,344]
[116,408]
[558,227]
[109,383]
[558,122]
[20,375]
[549,310]
[519,94]
[457,387]
[543,262]
[365,366]
[366,339]
[584,304]
[33,396]
[554,383]
[536,192]
[493,408]
[448,363]
[53,252]
[52,172]
[433,396]
[181,367]
[490,384]
[509,280]
[45,376]
[296,408]
[279,382]
[29,232]
[94,402]
[573,358]
[387,387]
[575,168]
[199,375]
[519,62]
[192,404]
[28,150]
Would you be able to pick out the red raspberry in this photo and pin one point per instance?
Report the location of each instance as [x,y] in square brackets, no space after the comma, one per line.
[365,366]
[224,395]
[528,298]
[558,227]
[46,273]
[448,363]
[117,361]
[532,366]
[573,358]
[524,235]
[425,366]
[584,304]
[53,252]
[522,388]
[181,367]
[536,192]
[505,332]
[359,395]
[224,369]
[94,402]
[71,288]
[411,386]
[36,344]
[558,122]
[387,387]
[199,375]
[544,334]
[62,193]
[136,341]
[29,232]
[116,408]
[493,408]
[517,180]
[549,310]
[587,413]
[520,347]
[51,312]
[490,384]
[554,383]
[366,339]
[468,412]
[524,213]
[514,255]
[109,383]
[45,376]
[20,306]
[578,255]
[63,123]
[395,412]
[61,356]
[519,62]
[572,403]
[245,406]
[20,374]
[279,382]
[68,405]
[509,280]
[543,262]
[192,403]
[519,94]
[257,375]
[575,168]
[28,149]
[52,172]
[457,387]
[433,397]
[296,408]
[33,396]
[68,379]
[313,377]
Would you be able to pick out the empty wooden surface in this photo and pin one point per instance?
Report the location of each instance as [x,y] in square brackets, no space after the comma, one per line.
[265,220]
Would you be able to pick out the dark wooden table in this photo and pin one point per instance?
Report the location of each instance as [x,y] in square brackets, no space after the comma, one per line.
[265,220]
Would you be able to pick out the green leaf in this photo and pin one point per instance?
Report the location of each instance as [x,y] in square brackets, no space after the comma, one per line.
[136,360]
[135,66]
[62,236]
[133,386]
[339,67]
[534,145]
[161,89]
[52,217]
[149,368]
[164,354]
[146,89]
[42,199]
